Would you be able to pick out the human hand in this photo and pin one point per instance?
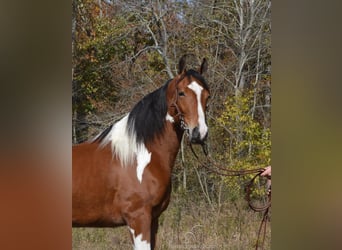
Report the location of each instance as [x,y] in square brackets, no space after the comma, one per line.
[267,172]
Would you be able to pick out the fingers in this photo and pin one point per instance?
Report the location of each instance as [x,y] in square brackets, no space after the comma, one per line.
[267,172]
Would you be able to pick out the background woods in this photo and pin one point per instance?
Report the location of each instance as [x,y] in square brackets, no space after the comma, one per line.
[123,50]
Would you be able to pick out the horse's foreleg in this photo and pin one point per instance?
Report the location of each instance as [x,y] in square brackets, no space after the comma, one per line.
[154,230]
[140,229]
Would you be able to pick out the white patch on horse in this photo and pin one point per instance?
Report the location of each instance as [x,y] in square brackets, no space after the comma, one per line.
[169,118]
[124,145]
[143,159]
[202,126]
[139,244]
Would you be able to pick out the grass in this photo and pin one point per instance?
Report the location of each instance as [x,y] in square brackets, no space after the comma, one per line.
[187,224]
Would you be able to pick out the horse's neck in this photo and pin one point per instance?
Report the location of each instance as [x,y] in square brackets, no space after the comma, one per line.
[167,144]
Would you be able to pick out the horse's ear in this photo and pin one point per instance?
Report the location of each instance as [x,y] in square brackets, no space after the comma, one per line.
[181,65]
[204,66]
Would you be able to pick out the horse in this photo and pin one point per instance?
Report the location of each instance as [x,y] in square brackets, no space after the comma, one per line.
[123,176]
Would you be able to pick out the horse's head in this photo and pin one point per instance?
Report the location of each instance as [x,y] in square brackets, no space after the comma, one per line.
[191,96]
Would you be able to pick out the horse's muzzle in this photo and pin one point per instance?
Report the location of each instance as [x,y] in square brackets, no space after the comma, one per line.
[196,137]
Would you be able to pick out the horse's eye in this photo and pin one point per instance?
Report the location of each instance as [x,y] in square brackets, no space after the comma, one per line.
[181,93]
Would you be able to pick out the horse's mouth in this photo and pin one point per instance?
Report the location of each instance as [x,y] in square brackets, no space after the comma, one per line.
[194,135]
[197,140]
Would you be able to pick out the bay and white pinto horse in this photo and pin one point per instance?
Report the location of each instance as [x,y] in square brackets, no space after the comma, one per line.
[123,176]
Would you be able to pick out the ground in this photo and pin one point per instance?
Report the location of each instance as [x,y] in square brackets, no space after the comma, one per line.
[187,224]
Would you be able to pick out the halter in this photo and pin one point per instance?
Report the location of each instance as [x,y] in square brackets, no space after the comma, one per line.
[183,125]
[179,113]
[174,104]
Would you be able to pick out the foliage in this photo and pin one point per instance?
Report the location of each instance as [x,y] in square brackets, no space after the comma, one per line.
[248,143]
[94,52]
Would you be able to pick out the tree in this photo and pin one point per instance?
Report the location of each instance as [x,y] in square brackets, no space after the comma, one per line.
[123,50]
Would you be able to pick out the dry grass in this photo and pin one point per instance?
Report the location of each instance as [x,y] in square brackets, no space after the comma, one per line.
[187,224]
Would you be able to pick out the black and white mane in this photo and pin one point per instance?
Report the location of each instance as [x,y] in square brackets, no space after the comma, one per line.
[146,120]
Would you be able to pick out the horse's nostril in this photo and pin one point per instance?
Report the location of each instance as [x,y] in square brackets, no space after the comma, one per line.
[196,133]
[196,137]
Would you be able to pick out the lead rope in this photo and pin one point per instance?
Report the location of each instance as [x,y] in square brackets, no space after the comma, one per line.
[229,172]
[264,209]
[218,168]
